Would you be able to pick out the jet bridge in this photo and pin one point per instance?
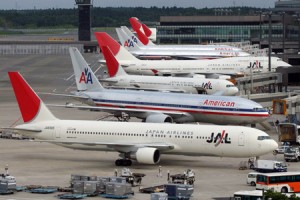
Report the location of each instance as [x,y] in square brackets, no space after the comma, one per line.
[260,83]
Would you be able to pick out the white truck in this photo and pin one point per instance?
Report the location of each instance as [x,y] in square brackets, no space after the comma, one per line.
[269,166]
[292,154]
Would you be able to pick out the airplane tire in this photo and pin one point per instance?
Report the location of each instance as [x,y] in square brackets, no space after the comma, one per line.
[118,162]
[127,163]
[123,162]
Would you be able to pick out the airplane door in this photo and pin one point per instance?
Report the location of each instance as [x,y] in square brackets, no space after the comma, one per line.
[57,132]
[241,139]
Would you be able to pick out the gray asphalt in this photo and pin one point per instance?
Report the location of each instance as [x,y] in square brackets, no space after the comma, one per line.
[47,164]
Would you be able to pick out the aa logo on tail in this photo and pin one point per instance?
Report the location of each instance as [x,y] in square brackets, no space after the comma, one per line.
[86,76]
[130,42]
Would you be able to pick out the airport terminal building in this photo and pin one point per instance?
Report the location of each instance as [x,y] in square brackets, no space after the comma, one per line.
[228,28]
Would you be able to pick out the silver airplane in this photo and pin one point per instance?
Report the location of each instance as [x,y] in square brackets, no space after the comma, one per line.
[162,106]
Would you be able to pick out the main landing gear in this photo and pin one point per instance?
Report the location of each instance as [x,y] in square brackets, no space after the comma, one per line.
[123,162]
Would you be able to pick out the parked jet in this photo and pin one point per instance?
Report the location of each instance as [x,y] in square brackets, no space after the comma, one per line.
[228,66]
[163,107]
[143,142]
[133,44]
[149,32]
[145,43]
[196,85]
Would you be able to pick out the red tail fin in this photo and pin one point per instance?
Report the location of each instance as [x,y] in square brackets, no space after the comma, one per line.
[31,106]
[29,102]
[142,37]
[135,24]
[112,63]
[105,40]
[147,31]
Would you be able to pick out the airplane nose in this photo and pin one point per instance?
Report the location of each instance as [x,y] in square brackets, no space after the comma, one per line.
[272,145]
[235,91]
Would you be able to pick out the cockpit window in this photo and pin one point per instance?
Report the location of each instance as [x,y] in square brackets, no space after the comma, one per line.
[230,86]
[263,138]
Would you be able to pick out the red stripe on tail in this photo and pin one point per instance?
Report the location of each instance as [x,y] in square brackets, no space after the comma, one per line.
[112,63]
[29,102]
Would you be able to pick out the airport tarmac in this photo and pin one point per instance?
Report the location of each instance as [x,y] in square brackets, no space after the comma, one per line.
[48,164]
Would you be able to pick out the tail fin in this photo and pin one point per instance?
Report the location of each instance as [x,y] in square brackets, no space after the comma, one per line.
[137,25]
[117,50]
[84,76]
[147,30]
[114,68]
[31,106]
[142,39]
[128,42]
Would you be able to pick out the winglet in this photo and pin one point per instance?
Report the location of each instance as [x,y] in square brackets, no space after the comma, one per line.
[31,106]
[112,64]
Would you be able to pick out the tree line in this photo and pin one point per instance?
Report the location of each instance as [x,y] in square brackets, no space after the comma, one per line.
[105,17]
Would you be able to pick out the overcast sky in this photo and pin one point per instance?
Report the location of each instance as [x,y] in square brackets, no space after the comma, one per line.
[42,4]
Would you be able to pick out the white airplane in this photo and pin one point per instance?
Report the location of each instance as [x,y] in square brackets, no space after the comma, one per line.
[143,142]
[134,45]
[162,106]
[196,85]
[137,25]
[211,68]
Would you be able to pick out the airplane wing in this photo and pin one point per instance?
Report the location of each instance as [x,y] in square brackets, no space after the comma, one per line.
[115,145]
[119,109]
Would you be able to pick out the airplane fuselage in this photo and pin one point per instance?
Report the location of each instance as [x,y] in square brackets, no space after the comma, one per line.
[193,140]
[197,108]
[176,84]
[230,66]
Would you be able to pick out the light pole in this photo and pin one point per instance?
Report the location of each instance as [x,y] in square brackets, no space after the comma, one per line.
[298,33]
[269,39]
[270,43]
[283,33]
[260,29]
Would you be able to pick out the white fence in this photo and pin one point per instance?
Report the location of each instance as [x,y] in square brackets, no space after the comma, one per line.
[42,49]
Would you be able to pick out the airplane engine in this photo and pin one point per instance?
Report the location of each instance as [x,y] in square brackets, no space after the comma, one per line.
[146,155]
[159,118]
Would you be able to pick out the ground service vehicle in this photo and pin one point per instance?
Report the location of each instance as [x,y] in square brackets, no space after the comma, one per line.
[248,195]
[269,166]
[281,149]
[279,182]
[289,132]
[251,178]
[292,154]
